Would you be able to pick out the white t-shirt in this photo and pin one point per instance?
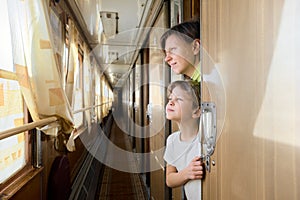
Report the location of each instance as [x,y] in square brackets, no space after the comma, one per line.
[179,154]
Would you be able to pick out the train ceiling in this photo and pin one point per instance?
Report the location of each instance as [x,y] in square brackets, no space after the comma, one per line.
[115,30]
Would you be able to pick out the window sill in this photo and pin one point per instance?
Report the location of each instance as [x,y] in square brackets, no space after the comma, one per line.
[14,186]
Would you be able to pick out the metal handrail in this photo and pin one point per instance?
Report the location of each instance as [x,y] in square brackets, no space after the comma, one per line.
[42,122]
[90,107]
[26,127]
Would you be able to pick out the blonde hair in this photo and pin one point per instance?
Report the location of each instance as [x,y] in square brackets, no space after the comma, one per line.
[192,87]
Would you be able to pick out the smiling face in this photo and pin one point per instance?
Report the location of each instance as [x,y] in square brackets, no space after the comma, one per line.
[180,55]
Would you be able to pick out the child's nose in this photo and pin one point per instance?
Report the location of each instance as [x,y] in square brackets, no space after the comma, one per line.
[171,102]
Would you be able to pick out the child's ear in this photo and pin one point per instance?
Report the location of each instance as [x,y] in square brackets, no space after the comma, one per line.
[196,113]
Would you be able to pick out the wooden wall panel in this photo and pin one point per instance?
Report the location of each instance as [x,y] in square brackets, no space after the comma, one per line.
[32,190]
[158,77]
[253,45]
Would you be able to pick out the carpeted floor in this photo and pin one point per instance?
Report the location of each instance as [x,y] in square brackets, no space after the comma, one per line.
[119,185]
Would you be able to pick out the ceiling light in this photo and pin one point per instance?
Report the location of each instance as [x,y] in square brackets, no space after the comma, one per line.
[109,23]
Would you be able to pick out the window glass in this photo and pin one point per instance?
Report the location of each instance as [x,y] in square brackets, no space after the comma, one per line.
[78,93]
[12,149]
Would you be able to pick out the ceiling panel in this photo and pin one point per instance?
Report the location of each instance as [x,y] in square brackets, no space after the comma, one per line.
[116,53]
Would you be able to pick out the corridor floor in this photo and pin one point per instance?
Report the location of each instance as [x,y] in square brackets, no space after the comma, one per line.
[119,185]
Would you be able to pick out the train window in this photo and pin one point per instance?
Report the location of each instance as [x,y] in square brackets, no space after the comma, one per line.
[72,64]
[103,97]
[13,156]
[56,31]
[65,59]
[78,93]
[176,12]
[97,96]
[12,149]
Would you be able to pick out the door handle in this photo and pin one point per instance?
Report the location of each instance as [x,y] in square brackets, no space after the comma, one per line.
[208,131]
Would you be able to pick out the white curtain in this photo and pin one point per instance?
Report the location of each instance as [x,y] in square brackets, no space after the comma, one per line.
[88,93]
[35,64]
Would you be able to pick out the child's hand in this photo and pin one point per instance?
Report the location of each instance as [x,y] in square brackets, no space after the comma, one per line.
[195,169]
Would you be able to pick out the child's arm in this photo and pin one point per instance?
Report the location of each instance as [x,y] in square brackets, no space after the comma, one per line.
[193,171]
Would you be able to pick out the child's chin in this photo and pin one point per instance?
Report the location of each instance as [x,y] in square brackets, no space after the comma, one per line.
[168,117]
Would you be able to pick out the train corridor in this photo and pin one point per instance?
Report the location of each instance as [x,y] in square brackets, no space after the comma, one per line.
[117,184]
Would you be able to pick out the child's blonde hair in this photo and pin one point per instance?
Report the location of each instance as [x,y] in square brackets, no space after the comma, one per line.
[192,87]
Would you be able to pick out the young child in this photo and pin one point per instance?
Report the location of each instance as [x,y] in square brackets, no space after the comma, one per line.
[184,167]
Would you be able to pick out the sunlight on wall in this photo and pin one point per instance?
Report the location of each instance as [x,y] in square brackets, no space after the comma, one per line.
[278,119]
